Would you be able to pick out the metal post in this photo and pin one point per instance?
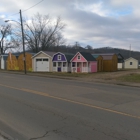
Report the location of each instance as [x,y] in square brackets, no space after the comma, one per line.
[0,48]
[23,42]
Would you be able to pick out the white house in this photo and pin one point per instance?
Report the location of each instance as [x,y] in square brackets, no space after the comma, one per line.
[42,61]
[3,61]
[131,63]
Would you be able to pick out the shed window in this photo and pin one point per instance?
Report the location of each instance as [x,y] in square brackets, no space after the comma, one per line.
[45,59]
[59,64]
[54,64]
[131,63]
[79,57]
[64,64]
[38,59]
[73,64]
[59,57]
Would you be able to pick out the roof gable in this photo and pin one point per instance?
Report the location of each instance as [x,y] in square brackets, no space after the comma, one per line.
[84,57]
[75,58]
[55,57]
[50,54]
[130,59]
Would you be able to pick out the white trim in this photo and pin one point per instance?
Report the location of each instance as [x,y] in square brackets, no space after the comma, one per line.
[80,56]
[130,58]
[35,67]
[74,56]
[59,57]
[61,54]
[39,53]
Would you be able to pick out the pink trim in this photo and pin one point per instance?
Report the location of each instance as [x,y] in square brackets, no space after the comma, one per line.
[75,59]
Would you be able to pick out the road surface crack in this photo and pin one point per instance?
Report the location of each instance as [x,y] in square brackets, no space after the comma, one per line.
[40,136]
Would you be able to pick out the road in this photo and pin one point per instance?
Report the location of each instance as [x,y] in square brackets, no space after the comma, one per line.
[41,108]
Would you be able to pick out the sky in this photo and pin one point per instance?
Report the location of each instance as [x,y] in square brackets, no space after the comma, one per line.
[98,23]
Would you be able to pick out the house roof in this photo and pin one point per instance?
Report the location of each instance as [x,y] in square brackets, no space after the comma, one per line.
[50,53]
[120,56]
[95,55]
[106,56]
[87,56]
[44,52]
[4,56]
[69,57]
[130,58]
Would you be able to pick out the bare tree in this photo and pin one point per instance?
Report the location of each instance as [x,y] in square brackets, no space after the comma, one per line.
[5,30]
[43,32]
[8,40]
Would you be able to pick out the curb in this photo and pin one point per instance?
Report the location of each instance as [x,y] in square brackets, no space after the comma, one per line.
[73,78]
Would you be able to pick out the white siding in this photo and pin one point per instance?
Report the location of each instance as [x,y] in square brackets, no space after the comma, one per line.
[120,65]
[131,63]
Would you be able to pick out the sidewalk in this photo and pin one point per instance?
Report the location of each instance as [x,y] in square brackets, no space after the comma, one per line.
[85,79]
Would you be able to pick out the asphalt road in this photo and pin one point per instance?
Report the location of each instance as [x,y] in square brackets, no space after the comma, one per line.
[41,108]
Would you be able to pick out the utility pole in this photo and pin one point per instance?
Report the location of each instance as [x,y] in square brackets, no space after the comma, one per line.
[0,48]
[24,59]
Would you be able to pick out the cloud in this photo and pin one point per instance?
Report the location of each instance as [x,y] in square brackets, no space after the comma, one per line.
[95,22]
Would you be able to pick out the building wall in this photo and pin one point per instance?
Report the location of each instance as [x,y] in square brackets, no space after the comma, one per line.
[110,65]
[93,66]
[28,57]
[99,63]
[12,63]
[133,66]
[42,55]
[120,65]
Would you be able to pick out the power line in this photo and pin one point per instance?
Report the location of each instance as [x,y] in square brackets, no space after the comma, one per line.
[33,6]
[24,10]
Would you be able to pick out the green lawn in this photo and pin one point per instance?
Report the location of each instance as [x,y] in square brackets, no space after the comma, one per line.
[130,78]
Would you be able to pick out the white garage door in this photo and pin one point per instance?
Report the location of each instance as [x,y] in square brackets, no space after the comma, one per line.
[42,64]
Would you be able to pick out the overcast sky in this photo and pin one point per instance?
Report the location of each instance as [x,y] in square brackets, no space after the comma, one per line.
[99,23]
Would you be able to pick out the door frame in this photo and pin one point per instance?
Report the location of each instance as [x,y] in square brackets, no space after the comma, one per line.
[35,64]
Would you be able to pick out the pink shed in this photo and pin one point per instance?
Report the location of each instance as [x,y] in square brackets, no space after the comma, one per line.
[93,66]
[83,62]
[79,58]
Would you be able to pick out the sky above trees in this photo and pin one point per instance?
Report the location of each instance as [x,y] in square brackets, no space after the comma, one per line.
[99,23]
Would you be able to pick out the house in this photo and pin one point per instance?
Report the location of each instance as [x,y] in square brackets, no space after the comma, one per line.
[120,61]
[3,61]
[110,62]
[28,58]
[42,61]
[61,62]
[99,60]
[131,63]
[83,62]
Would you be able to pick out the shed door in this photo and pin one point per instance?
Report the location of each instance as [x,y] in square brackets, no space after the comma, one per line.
[42,64]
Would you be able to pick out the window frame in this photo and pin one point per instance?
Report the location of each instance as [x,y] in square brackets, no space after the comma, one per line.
[131,63]
[79,57]
[59,57]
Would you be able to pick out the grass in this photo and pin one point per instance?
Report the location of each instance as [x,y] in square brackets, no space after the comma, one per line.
[63,74]
[130,78]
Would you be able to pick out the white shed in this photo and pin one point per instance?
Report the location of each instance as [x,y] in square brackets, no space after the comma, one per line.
[131,63]
[42,61]
[3,60]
